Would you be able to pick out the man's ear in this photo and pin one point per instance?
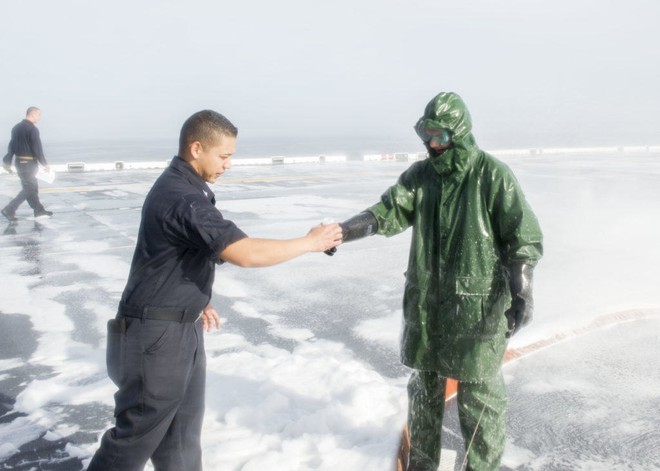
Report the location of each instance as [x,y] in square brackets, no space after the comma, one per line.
[196,149]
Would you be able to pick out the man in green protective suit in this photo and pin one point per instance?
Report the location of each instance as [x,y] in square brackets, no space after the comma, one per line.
[468,284]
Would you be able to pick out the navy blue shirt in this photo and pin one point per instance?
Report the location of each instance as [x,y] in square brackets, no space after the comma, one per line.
[25,142]
[179,242]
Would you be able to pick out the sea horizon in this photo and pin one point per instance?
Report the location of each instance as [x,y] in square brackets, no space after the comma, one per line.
[98,150]
[153,149]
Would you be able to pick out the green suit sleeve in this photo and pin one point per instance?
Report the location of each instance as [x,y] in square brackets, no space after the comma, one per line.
[516,225]
[395,211]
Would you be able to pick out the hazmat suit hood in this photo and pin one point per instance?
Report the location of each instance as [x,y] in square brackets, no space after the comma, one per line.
[448,111]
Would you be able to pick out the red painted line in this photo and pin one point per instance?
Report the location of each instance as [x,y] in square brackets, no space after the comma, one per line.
[513,354]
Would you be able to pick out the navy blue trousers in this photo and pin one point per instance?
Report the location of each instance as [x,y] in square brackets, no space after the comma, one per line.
[160,369]
[27,172]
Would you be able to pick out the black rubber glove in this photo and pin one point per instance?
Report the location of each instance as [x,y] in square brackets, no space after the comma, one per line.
[522,304]
[357,227]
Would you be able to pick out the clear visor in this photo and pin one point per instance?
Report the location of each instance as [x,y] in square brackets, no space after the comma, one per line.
[434,134]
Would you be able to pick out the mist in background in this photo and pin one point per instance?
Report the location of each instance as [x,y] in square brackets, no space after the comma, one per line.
[298,73]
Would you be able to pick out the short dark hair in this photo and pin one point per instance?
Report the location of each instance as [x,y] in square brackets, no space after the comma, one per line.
[205,126]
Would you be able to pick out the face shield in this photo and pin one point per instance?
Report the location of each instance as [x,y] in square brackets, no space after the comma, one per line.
[430,133]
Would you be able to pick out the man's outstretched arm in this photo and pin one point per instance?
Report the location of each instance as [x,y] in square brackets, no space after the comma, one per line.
[251,252]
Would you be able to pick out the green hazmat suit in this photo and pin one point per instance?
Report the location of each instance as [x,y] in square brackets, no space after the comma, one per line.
[470,221]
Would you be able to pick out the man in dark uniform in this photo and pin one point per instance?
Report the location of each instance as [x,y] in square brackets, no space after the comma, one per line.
[25,144]
[155,351]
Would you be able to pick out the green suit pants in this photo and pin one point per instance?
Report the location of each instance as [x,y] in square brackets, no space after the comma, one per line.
[482,415]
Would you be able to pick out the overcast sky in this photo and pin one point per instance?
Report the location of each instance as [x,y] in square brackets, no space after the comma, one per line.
[533,72]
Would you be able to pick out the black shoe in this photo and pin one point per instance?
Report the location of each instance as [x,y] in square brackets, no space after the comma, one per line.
[9,215]
[42,213]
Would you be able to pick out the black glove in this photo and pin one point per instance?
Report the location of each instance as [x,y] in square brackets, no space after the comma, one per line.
[357,227]
[522,305]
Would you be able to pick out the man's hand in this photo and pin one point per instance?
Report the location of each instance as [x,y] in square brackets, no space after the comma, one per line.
[210,318]
[359,226]
[518,315]
[324,237]
[7,168]
[522,304]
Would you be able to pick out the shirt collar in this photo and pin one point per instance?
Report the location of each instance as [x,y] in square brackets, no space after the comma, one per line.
[193,177]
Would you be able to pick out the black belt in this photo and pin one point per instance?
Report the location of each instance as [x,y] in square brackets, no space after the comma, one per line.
[159,313]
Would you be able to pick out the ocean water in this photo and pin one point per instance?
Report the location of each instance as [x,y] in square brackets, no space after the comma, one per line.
[104,151]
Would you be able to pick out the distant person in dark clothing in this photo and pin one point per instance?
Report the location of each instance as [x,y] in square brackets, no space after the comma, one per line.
[155,349]
[25,144]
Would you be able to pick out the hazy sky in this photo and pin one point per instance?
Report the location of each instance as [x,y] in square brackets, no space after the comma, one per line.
[533,72]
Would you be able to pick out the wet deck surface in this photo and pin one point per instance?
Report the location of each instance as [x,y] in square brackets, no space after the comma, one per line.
[589,402]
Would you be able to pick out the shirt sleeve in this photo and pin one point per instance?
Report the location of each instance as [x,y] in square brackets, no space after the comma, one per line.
[35,145]
[196,223]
